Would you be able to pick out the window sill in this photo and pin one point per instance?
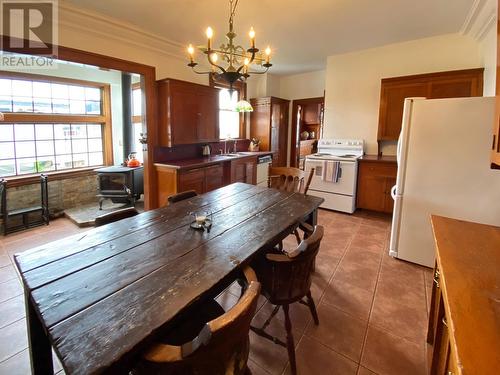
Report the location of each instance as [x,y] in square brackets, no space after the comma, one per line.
[53,176]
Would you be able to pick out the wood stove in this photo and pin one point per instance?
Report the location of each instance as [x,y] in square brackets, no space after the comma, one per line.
[120,184]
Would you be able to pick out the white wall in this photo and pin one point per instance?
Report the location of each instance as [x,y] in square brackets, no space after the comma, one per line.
[488,47]
[353,80]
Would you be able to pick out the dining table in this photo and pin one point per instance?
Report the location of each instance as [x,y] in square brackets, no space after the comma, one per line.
[98,297]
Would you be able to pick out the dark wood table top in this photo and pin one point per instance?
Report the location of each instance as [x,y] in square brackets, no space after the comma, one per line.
[100,293]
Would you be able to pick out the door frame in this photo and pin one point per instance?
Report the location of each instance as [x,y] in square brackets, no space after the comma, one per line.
[294,132]
[148,85]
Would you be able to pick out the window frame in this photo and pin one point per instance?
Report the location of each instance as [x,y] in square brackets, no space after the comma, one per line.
[39,118]
[239,86]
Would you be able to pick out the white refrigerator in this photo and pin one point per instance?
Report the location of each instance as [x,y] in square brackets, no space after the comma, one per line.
[443,169]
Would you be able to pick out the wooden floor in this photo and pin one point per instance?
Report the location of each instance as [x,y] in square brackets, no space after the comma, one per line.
[373,309]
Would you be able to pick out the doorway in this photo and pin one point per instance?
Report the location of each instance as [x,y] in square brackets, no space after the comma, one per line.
[307,128]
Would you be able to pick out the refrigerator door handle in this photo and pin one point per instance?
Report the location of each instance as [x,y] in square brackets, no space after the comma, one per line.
[393,192]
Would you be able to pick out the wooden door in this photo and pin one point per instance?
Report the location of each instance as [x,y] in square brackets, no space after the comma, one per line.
[214,177]
[193,179]
[391,107]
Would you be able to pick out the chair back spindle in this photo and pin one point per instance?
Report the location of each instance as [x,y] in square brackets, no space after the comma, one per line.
[289,179]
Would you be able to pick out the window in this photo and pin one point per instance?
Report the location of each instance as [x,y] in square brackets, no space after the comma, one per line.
[137,119]
[52,124]
[229,120]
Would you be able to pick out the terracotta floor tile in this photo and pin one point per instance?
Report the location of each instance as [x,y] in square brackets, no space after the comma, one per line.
[300,316]
[14,339]
[368,243]
[10,289]
[268,355]
[369,231]
[7,273]
[227,300]
[339,331]
[406,288]
[365,371]
[11,311]
[256,369]
[387,354]
[358,273]
[349,298]
[18,364]
[313,358]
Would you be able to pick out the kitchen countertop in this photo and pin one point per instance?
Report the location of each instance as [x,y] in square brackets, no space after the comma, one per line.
[379,158]
[208,160]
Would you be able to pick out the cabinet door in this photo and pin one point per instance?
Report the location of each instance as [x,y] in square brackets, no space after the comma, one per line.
[193,179]
[454,88]
[207,125]
[214,177]
[434,307]
[238,171]
[371,190]
[251,172]
[389,202]
[184,116]
[391,107]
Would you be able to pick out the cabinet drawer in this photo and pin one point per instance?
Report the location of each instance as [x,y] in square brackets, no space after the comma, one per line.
[214,171]
[378,169]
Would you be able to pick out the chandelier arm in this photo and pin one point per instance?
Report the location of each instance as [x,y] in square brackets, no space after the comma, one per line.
[262,72]
[207,72]
[212,63]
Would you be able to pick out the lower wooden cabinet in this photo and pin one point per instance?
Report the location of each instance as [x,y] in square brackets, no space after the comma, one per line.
[244,170]
[375,181]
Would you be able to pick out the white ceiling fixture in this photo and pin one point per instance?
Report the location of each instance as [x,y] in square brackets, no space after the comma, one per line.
[306,32]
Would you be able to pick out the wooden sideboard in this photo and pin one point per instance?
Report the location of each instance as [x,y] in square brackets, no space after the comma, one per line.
[464,319]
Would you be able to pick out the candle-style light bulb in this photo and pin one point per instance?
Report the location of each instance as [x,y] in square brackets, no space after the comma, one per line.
[246,62]
[268,54]
[214,58]
[252,36]
[210,34]
[190,50]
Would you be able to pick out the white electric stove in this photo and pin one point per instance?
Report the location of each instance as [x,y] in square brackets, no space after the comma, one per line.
[340,194]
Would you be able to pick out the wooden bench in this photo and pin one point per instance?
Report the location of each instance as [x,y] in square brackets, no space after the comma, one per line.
[7,215]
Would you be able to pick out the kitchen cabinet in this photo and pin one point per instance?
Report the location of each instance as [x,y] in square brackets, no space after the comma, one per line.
[495,144]
[375,181]
[188,113]
[463,319]
[244,170]
[452,84]
[269,124]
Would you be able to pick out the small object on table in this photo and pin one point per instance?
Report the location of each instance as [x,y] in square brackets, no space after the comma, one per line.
[202,220]
[304,135]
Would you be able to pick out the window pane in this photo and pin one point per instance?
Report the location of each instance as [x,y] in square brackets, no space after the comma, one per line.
[95,144]
[42,105]
[6,132]
[80,160]
[63,162]
[5,103]
[22,104]
[25,166]
[229,124]
[138,145]
[41,90]
[93,93]
[7,167]
[94,131]
[21,88]
[77,107]
[44,148]
[95,158]
[79,145]
[136,102]
[62,131]
[46,164]
[44,131]
[5,87]
[78,131]
[93,108]
[24,132]
[60,105]
[63,147]
[7,150]
[77,92]
[60,91]
[25,149]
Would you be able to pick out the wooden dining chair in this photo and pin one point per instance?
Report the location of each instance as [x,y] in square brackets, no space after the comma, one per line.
[111,217]
[292,180]
[289,179]
[208,342]
[181,196]
[286,278]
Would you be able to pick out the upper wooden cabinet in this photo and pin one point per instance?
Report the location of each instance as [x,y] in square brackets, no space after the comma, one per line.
[269,124]
[454,84]
[187,113]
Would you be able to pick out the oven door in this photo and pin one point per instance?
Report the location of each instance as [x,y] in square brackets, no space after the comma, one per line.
[346,184]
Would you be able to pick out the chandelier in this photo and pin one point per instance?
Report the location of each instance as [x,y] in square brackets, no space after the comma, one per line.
[229,62]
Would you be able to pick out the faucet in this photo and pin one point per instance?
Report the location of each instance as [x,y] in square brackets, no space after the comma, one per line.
[234,150]
[220,151]
[225,146]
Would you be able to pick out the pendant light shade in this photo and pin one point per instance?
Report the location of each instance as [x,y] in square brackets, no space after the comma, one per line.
[243,106]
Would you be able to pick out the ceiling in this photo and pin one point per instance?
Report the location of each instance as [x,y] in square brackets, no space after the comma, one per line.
[302,33]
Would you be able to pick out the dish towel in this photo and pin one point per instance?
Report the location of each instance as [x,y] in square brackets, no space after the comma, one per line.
[331,171]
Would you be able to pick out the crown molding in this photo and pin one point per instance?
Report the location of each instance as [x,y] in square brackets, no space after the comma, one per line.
[471,17]
[491,21]
[85,21]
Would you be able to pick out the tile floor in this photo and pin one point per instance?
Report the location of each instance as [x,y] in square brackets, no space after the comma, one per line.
[372,308]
